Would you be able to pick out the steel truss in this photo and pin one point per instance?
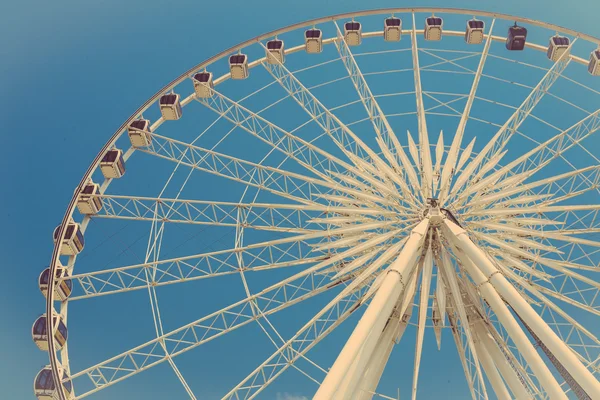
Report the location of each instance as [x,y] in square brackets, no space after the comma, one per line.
[376,227]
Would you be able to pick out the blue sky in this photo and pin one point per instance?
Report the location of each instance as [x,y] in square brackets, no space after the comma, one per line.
[71,72]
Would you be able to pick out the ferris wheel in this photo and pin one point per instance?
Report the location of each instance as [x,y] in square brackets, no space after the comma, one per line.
[337,184]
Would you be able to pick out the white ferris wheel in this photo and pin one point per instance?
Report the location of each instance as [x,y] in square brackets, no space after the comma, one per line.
[385,171]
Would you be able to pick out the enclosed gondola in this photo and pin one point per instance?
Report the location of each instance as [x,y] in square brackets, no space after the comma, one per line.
[516,38]
[112,164]
[275,52]
[238,66]
[139,133]
[313,41]
[353,33]
[594,64]
[45,388]
[170,106]
[89,202]
[557,46]
[433,28]
[63,285]
[40,333]
[474,32]
[73,242]
[203,84]
[392,29]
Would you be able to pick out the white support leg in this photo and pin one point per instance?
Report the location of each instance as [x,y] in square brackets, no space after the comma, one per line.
[378,312]
[391,335]
[490,370]
[423,306]
[354,374]
[370,352]
[366,384]
[510,376]
[511,325]
[559,349]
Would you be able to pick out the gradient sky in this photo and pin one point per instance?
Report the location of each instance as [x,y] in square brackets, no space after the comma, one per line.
[71,72]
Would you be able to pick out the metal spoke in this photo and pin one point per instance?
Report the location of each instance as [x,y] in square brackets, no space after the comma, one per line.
[493,148]
[277,297]
[449,167]
[426,166]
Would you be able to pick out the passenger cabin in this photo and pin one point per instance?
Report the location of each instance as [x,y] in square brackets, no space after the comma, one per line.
[112,164]
[392,29]
[517,36]
[73,242]
[238,66]
[170,106]
[45,388]
[275,52]
[203,84]
[353,33]
[313,40]
[594,64]
[433,28]
[63,285]
[139,134]
[557,46]
[40,334]
[89,203]
[474,33]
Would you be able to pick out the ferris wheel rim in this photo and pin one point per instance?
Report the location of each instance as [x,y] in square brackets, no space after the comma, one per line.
[95,163]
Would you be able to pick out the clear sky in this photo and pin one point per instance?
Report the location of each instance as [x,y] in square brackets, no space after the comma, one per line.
[71,72]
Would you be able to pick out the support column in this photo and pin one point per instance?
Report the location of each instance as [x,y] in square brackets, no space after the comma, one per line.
[368,384]
[378,312]
[354,374]
[491,371]
[488,292]
[510,376]
[559,349]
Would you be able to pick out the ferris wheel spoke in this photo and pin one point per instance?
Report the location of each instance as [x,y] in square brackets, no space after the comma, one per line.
[572,288]
[585,344]
[518,232]
[287,184]
[342,136]
[323,323]
[308,155]
[272,254]
[539,157]
[425,163]
[356,150]
[496,145]
[269,217]
[190,268]
[561,183]
[378,119]
[290,291]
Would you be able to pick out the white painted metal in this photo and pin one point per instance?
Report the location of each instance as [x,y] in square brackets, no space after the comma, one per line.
[423,308]
[524,310]
[491,372]
[500,362]
[534,360]
[370,189]
[501,138]
[425,151]
[377,313]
